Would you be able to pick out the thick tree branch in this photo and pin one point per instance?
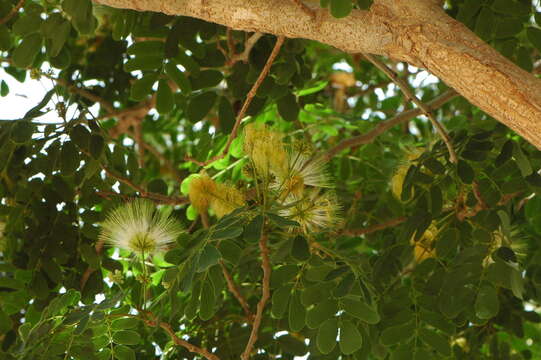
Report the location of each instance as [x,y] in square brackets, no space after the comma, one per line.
[418,32]
[265,295]
[383,126]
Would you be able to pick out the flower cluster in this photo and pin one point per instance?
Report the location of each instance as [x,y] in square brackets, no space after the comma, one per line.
[294,176]
[139,227]
[205,193]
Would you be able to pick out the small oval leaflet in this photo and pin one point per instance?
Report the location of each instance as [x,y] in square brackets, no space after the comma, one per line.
[351,339]
[326,336]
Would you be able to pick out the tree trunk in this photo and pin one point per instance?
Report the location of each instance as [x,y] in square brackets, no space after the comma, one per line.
[416,31]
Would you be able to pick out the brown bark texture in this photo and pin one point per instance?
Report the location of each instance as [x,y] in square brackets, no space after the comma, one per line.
[416,31]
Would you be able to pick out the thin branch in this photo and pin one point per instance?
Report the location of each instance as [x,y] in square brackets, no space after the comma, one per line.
[248,46]
[143,193]
[425,109]
[265,295]
[374,228]
[177,340]
[232,287]
[247,102]
[12,12]
[481,204]
[383,126]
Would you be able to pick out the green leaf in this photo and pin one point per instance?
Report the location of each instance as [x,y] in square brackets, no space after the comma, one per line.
[326,336]
[126,337]
[522,160]
[80,136]
[435,341]
[208,299]
[124,323]
[360,310]
[280,301]
[227,117]
[231,232]
[397,334]
[206,79]
[210,256]
[143,63]
[21,131]
[321,312]
[27,24]
[165,101]
[292,345]
[178,77]
[465,172]
[341,8]
[200,105]
[69,158]
[534,35]
[297,313]
[230,251]
[4,88]
[124,353]
[485,23]
[487,305]
[143,86]
[351,339]
[288,107]
[447,242]
[252,232]
[5,38]
[146,48]
[96,146]
[300,250]
[24,54]
[56,30]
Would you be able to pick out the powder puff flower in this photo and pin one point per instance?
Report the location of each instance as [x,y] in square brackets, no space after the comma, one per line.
[222,198]
[138,227]
[314,212]
[265,149]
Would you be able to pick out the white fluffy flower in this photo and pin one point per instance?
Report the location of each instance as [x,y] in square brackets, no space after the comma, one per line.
[138,227]
[314,212]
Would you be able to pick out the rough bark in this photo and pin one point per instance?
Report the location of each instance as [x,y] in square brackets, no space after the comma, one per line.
[416,31]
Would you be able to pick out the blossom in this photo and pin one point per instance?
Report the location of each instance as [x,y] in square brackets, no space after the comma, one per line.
[301,170]
[222,198]
[138,227]
[313,212]
[265,149]
[423,248]
[200,189]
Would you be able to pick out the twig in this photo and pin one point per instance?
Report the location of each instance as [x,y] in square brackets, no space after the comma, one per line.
[424,109]
[143,193]
[265,295]
[177,340]
[235,291]
[383,126]
[374,228]
[12,12]
[247,102]
[248,46]
[481,205]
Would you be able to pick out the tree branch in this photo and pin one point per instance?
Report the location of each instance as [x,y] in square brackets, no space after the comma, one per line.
[248,46]
[411,96]
[232,287]
[152,321]
[419,32]
[383,126]
[247,102]
[265,295]
[12,12]
[374,228]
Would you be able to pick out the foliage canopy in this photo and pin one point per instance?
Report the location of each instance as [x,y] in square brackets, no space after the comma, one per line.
[315,227]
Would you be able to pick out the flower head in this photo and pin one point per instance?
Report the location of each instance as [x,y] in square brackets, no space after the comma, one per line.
[226,199]
[301,170]
[314,211]
[138,227]
[200,191]
[265,148]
